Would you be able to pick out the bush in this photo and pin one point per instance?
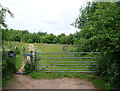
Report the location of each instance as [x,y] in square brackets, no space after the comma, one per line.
[8,68]
[28,68]
[30,41]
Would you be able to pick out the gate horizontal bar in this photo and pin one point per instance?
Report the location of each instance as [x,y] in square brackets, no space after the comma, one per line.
[69,57]
[27,54]
[72,53]
[70,71]
[77,66]
[68,61]
[67,64]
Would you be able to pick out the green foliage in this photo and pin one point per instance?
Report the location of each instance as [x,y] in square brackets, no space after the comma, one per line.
[29,41]
[100,31]
[8,64]
[50,39]
[40,37]
[3,11]
[28,68]
[8,68]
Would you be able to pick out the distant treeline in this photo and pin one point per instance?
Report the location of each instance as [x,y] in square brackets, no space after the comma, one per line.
[39,37]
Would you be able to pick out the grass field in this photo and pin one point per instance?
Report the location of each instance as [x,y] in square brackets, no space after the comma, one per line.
[62,64]
[51,48]
[10,46]
[46,48]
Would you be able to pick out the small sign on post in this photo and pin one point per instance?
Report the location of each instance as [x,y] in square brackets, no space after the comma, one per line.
[11,54]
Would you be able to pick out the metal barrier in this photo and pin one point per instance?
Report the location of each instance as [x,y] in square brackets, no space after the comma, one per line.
[66,62]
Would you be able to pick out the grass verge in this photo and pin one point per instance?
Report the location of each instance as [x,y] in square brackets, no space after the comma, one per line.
[96,81]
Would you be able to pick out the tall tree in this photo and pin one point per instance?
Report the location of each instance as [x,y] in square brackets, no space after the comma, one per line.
[3,11]
[99,25]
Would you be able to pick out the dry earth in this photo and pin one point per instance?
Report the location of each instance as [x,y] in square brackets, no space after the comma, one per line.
[25,82]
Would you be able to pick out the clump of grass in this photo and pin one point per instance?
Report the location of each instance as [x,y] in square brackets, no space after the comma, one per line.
[40,75]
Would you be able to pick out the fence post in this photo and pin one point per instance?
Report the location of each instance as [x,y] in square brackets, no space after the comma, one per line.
[35,60]
[25,58]
[31,58]
[68,62]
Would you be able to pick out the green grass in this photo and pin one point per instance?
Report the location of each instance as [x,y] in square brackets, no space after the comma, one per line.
[57,48]
[19,60]
[39,47]
[19,56]
[51,48]
[54,48]
[20,45]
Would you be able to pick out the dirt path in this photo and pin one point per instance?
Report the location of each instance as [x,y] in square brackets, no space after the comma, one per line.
[31,47]
[25,82]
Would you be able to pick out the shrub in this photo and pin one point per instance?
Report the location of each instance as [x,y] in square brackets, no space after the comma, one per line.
[8,68]
[28,68]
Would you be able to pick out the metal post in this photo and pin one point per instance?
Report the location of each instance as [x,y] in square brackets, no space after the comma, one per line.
[68,63]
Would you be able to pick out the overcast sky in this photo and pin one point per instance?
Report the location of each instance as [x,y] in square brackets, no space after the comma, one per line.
[52,16]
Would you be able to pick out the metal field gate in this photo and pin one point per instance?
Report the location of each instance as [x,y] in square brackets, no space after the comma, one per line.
[66,62]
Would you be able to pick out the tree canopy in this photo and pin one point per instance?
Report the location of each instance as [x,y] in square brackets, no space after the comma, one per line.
[39,37]
[3,12]
[99,24]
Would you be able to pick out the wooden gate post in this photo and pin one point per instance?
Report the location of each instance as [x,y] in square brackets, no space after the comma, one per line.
[25,57]
[31,57]
[35,60]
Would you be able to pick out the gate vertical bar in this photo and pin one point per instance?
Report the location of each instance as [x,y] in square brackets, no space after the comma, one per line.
[39,61]
[35,60]
[68,63]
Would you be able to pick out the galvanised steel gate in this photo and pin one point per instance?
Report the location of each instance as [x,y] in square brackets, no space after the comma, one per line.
[66,62]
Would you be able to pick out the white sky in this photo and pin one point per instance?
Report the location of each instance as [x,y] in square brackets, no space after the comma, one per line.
[52,16]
